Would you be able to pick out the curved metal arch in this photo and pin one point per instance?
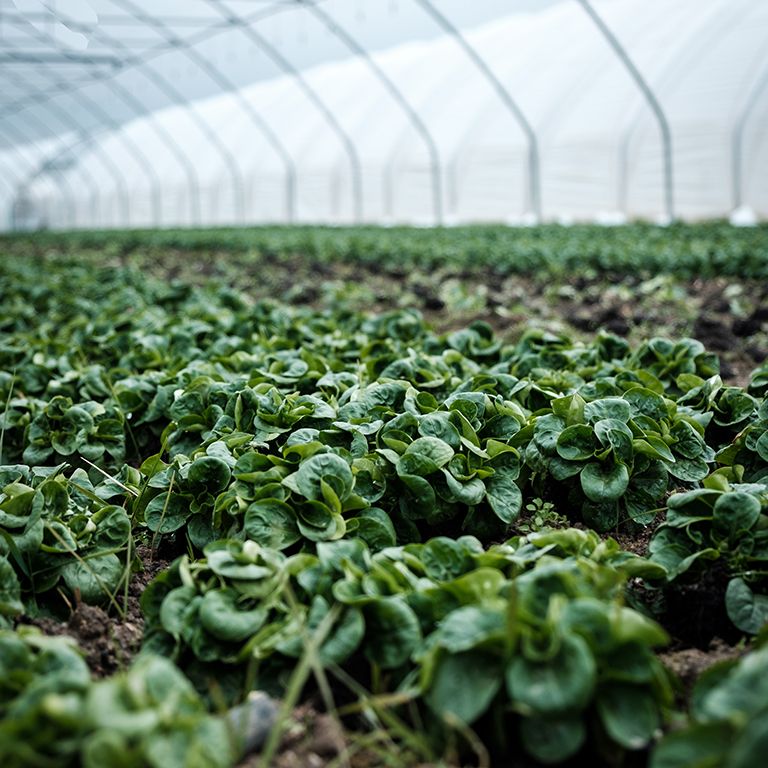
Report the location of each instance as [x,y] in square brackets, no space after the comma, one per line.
[633,120]
[218,77]
[389,85]
[506,98]
[737,137]
[66,190]
[653,103]
[141,110]
[104,117]
[106,160]
[285,65]
[166,86]
[69,194]
[140,59]
[44,168]
[193,178]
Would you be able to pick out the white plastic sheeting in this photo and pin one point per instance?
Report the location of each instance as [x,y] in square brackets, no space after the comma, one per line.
[599,144]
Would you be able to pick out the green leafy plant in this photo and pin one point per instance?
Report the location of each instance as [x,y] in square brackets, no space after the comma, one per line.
[728,722]
[56,530]
[51,713]
[535,628]
[723,524]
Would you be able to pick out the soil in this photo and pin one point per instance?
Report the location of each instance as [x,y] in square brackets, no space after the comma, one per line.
[108,642]
[729,317]
[688,663]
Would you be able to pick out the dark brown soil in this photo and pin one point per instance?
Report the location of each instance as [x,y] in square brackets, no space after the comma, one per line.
[688,663]
[694,612]
[108,642]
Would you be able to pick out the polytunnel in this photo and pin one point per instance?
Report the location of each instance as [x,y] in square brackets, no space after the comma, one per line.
[131,113]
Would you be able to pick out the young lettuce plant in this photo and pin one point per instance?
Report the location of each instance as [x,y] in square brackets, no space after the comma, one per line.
[728,524]
[728,722]
[55,529]
[532,632]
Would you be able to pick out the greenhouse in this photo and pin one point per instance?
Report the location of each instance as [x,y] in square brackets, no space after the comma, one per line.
[383,383]
[410,112]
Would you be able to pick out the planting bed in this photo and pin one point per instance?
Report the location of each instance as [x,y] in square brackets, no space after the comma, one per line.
[518,515]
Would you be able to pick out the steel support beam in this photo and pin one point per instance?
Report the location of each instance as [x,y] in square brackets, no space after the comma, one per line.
[653,103]
[103,116]
[390,86]
[193,179]
[737,136]
[692,47]
[282,62]
[506,98]
[223,82]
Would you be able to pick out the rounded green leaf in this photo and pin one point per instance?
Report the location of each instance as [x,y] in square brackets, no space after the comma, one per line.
[464,685]
[324,466]
[607,408]
[604,482]
[167,512]
[210,473]
[504,495]
[747,610]
[562,683]
[698,746]
[466,627]
[736,511]
[174,607]
[576,443]
[393,632]
[95,578]
[222,616]
[629,713]
[550,740]
[271,523]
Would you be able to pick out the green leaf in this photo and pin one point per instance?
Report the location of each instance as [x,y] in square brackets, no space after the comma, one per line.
[576,443]
[601,482]
[221,616]
[751,745]
[700,745]
[167,512]
[10,590]
[747,610]
[210,473]
[607,408]
[328,467]
[95,578]
[504,495]
[173,610]
[629,713]
[393,632]
[467,627]
[432,448]
[654,447]
[562,683]
[271,523]
[464,685]
[374,526]
[551,740]
[736,512]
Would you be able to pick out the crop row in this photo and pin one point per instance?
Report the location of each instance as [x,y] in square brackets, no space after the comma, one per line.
[688,250]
